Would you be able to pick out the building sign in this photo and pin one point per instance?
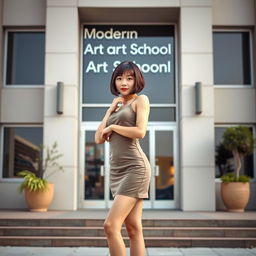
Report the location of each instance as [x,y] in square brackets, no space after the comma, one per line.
[151,47]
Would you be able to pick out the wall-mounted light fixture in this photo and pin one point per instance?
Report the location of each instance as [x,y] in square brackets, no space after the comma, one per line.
[198,98]
[60,96]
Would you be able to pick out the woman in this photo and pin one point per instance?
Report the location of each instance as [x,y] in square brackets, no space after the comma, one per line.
[130,172]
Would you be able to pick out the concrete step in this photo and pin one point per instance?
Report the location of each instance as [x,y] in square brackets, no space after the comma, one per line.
[157,232]
[60,241]
[147,231]
[145,222]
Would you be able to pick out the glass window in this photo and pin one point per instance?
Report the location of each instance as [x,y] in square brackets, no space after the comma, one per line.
[232,63]
[21,148]
[151,47]
[224,161]
[25,58]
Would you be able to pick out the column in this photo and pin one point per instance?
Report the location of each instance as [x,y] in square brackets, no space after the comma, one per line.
[196,131]
[62,64]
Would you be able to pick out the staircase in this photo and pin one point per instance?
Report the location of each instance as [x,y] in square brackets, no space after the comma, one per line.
[157,232]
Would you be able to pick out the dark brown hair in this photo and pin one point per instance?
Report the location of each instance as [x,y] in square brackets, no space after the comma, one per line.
[133,70]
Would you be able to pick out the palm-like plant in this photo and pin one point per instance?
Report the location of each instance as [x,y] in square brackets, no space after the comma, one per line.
[38,180]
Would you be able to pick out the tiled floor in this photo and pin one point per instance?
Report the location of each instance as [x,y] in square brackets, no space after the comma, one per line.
[89,251]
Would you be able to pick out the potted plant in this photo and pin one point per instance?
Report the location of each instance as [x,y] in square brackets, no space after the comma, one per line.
[235,188]
[38,191]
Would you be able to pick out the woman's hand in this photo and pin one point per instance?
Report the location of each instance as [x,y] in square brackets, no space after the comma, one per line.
[139,130]
[106,133]
[114,103]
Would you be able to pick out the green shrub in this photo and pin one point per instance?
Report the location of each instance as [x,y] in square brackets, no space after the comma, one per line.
[240,141]
[31,182]
[230,177]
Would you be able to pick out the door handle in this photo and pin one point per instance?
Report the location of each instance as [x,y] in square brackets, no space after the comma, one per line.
[102,170]
[156,170]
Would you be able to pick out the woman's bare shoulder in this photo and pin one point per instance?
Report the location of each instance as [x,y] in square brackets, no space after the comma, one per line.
[143,98]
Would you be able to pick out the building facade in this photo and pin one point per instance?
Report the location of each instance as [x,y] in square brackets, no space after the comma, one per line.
[198,58]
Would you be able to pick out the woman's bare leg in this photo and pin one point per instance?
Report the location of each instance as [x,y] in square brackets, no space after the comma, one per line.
[121,207]
[133,225]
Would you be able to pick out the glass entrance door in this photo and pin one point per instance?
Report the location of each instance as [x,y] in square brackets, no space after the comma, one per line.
[159,145]
[164,163]
[93,178]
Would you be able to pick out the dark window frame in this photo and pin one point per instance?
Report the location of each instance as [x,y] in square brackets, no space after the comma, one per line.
[6,31]
[251,54]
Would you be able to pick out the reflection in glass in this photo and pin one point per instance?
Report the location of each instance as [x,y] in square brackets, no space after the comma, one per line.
[94,168]
[164,171]
[21,148]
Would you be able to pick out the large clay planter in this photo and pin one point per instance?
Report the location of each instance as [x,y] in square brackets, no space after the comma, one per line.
[39,201]
[235,195]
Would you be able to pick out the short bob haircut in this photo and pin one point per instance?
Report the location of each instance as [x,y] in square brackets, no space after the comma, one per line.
[133,70]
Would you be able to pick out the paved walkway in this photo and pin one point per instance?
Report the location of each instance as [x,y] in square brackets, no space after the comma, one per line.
[102,251]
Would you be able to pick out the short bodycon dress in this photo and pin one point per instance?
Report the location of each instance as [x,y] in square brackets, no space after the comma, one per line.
[130,170]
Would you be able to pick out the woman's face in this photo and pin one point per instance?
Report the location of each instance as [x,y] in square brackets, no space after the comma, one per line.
[125,83]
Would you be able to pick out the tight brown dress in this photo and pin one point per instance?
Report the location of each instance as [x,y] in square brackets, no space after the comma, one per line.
[130,169]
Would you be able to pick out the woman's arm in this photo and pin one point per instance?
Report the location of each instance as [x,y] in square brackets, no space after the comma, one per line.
[98,134]
[138,131]
[99,139]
